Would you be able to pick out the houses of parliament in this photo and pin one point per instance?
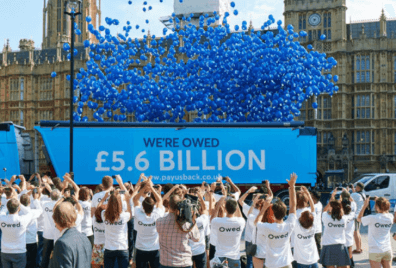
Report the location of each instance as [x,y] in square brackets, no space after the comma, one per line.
[356,126]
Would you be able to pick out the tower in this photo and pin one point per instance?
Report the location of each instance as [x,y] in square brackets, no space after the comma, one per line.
[56,25]
[317,18]
[383,24]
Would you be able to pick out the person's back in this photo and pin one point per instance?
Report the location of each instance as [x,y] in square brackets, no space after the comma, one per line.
[174,248]
[49,226]
[147,235]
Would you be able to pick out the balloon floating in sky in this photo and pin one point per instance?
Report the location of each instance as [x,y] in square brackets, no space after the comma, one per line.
[223,76]
[53,74]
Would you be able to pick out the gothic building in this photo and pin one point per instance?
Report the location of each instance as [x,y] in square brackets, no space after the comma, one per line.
[356,126]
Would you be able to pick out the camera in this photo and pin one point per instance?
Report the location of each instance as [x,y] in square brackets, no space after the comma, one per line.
[122,192]
[35,191]
[187,208]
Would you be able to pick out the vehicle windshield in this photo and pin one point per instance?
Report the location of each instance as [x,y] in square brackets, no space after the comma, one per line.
[362,178]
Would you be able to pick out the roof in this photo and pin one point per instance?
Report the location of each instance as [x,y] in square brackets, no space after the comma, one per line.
[370,29]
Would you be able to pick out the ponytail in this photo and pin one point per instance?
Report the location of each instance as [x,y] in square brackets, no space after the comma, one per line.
[346,206]
[336,210]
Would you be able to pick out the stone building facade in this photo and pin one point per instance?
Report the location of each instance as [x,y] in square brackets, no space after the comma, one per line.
[356,126]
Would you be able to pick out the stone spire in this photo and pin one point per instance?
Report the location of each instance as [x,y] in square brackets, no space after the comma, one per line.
[382,24]
[363,34]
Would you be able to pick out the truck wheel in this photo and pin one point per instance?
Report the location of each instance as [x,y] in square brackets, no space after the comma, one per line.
[284,197]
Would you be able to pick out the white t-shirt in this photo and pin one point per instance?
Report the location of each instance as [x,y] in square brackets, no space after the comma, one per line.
[229,232]
[298,215]
[219,196]
[98,197]
[278,251]
[334,230]
[79,221]
[305,250]
[259,239]
[116,234]
[40,221]
[379,226]
[359,200]
[86,224]
[351,226]
[49,231]
[13,227]
[147,236]
[250,221]
[199,247]
[98,231]
[318,217]
[31,229]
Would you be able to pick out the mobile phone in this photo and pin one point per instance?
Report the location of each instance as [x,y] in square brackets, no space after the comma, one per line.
[111,192]
[223,178]
[372,198]
[264,181]
[43,185]
[71,192]
[113,176]
[350,185]
[122,192]
[339,189]
[156,186]
[206,184]
[218,184]
[35,191]
[264,196]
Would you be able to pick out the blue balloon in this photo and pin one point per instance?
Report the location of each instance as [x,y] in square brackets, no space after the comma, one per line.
[53,74]
[88,19]
[232,4]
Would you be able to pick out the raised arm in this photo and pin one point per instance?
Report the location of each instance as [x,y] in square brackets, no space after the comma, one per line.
[260,216]
[270,194]
[310,201]
[68,178]
[120,182]
[365,205]
[292,193]
[255,200]
[23,182]
[157,197]
[127,199]
[233,186]
[217,208]
[332,198]
[202,202]
[243,197]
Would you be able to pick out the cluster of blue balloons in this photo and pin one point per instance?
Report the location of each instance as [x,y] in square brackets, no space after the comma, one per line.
[223,76]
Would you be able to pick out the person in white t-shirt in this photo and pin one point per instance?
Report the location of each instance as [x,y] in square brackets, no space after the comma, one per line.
[305,250]
[334,240]
[198,249]
[116,235]
[228,231]
[349,207]
[84,198]
[31,230]
[13,240]
[49,233]
[107,183]
[318,219]
[379,226]
[147,240]
[99,238]
[358,196]
[229,187]
[276,236]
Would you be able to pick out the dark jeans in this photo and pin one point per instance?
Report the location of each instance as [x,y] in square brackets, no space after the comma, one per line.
[200,260]
[231,263]
[212,252]
[111,256]
[145,257]
[11,260]
[307,266]
[31,255]
[39,248]
[131,241]
[1,264]
[249,259]
[47,249]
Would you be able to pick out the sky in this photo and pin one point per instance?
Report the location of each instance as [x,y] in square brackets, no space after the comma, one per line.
[23,18]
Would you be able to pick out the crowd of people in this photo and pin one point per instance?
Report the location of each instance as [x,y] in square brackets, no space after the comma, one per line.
[49,222]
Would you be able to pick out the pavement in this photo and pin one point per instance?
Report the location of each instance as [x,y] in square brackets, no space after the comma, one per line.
[361,260]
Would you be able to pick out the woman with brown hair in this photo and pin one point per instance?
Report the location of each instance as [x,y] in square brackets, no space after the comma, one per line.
[99,237]
[305,250]
[379,226]
[334,252]
[84,198]
[116,235]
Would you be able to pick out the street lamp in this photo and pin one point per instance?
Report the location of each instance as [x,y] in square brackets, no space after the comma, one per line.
[75,9]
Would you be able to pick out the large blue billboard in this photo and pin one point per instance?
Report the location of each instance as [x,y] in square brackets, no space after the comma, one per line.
[9,159]
[188,156]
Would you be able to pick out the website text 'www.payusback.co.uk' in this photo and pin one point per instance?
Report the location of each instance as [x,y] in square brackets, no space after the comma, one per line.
[183,178]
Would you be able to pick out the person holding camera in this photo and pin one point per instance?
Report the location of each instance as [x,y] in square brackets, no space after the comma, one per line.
[13,227]
[315,195]
[199,248]
[116,220]
[359,196]
[174,236]
[229,231]
[107,183]
[379,227]
[146,215]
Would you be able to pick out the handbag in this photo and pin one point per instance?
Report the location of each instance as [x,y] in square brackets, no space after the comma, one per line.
[251,249]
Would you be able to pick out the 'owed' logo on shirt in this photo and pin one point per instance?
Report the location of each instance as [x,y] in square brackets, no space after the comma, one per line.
[304,237]
[115,223]
[3,224]
[146,225]
[278,236]
[47,210]
[379,225]
[336,225]
[98,230]
[222,229]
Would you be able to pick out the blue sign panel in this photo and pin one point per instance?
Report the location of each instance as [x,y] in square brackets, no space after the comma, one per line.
[188,156]
[9,158]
